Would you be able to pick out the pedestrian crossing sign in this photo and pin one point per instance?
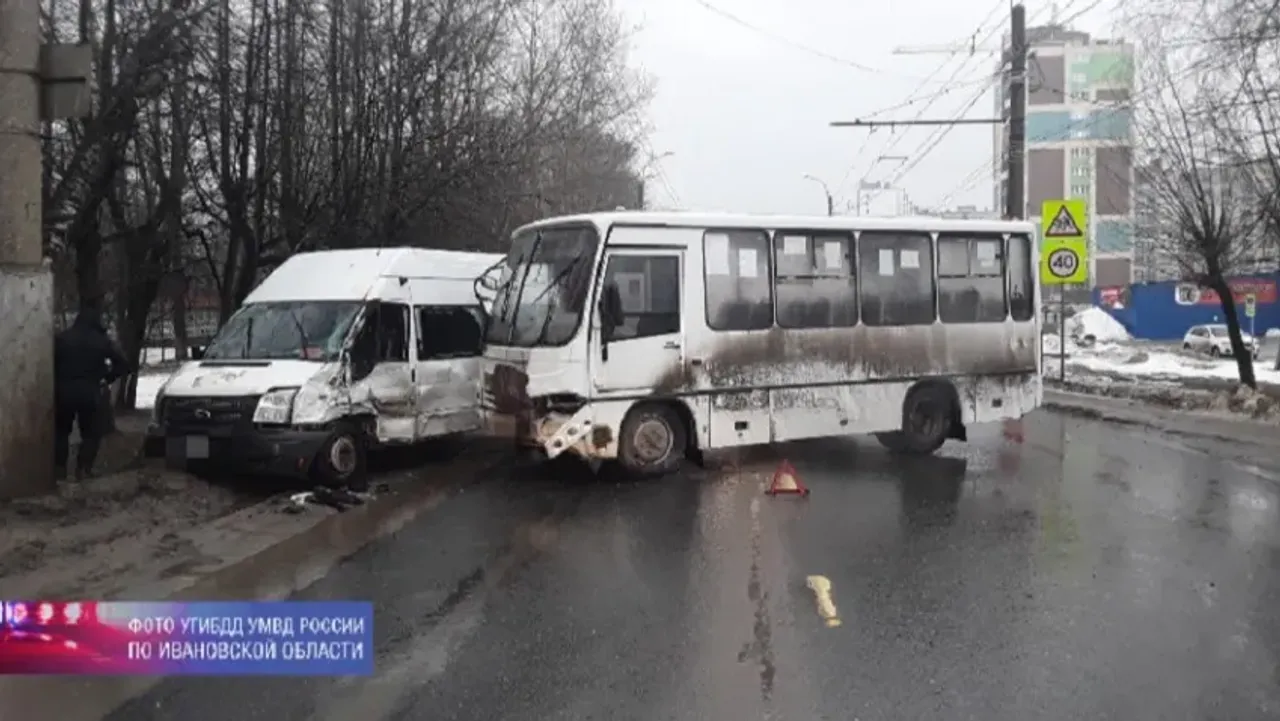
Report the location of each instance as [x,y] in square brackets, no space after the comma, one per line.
[1064,247]
[1063,219]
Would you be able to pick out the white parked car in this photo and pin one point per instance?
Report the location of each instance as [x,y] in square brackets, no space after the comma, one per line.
[1213,339]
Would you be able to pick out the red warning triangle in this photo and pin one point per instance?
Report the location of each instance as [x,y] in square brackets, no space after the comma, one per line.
[786,481]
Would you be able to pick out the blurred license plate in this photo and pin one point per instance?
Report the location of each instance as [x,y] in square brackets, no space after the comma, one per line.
[198,447]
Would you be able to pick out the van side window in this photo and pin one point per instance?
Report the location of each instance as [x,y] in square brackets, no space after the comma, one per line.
[736,273]
[895,272]
[1022,289]
[971,285]
[383,338]
[649,288]
[386,333]
[449,331]
[815,282]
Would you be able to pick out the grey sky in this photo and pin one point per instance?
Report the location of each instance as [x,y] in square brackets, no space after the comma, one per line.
[744,114]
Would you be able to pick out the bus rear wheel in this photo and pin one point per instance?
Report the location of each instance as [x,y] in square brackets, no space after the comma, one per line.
[926,423]
[652,441]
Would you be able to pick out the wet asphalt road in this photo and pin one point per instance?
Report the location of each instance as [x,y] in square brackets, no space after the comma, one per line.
[1096,571]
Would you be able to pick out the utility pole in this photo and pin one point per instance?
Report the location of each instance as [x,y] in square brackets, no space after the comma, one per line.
[640,195]
[1016,205]
[26,282]
[37,83]
[1015,196]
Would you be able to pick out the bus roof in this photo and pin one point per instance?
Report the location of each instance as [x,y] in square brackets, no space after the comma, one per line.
[808,222]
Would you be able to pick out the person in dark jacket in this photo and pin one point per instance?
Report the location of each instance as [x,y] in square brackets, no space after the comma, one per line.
[84,359]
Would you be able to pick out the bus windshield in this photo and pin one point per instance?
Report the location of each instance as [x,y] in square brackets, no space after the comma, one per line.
[543,287]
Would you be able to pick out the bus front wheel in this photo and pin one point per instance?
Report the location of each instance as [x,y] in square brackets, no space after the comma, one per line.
[652,440]
[926,422]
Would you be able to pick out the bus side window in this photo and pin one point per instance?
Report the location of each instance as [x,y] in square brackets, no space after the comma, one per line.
[895,275]
[971,279]
[1022,288]
[814,283]
[739,293]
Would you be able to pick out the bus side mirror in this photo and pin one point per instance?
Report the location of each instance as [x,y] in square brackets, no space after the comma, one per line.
[611,315]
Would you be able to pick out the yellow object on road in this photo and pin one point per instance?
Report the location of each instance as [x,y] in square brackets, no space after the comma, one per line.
[821,586]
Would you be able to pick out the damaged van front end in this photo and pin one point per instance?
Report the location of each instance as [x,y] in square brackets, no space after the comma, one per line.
[243,407]
[272,417]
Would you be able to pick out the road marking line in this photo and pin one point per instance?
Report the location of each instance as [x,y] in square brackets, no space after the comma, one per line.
[821,587]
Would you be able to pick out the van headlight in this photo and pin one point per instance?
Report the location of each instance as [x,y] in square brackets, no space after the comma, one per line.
[275,407]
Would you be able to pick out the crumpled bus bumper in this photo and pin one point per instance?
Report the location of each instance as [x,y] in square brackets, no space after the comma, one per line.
[553,434]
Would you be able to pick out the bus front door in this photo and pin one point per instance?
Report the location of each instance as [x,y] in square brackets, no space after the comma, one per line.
[645,340]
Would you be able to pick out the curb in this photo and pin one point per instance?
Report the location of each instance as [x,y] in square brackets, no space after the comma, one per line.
[282,565]
[1187,423]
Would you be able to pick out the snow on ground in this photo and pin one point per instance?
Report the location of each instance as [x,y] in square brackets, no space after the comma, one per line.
[1097,323]
[1164,365]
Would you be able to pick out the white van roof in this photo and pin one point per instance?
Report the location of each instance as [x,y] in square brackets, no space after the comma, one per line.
[351,274]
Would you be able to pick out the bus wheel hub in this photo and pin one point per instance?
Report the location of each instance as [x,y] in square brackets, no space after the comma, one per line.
[652,440]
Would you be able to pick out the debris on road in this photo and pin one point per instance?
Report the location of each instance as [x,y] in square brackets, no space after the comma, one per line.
[339,499]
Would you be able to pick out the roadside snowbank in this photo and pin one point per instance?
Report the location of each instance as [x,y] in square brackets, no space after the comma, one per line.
[1165,365]
[1097,323]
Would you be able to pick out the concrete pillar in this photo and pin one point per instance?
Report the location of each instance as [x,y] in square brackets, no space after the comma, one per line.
[26,281]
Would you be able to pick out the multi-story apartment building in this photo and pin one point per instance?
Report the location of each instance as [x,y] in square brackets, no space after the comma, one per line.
[1079,139]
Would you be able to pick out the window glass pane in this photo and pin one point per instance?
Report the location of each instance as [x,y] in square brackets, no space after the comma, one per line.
[448,332]
[649,287]
[896,278]
[815,285]
[977,296]
[739,291]
[1021,281]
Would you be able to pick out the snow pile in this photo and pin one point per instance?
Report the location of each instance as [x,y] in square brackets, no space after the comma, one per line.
[1169,366]
[1097,323]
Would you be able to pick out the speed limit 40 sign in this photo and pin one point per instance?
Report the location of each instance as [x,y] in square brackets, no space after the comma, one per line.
[1064,251]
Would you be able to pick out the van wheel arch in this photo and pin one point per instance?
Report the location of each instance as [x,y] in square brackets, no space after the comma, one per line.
[343,458]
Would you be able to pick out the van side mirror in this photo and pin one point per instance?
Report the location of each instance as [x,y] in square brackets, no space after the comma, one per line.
[197,352]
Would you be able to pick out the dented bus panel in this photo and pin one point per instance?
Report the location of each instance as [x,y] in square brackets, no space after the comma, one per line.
[335,353]
[647,336]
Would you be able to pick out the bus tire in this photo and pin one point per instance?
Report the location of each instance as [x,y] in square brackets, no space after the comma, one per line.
[893,441]
[652,441]
[342,461]
[926,422]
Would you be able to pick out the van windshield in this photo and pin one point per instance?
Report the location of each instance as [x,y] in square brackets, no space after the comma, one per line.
[296,330]
[543,287]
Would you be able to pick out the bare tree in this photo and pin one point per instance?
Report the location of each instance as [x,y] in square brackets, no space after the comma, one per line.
[1201,191]
[229,135]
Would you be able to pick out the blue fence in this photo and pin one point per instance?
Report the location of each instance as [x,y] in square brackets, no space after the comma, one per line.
[1165,310]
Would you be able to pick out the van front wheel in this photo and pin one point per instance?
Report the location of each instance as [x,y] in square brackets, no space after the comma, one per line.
[342,460]
[652,441]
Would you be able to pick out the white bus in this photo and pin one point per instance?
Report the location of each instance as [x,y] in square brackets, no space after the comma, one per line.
[648,337]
